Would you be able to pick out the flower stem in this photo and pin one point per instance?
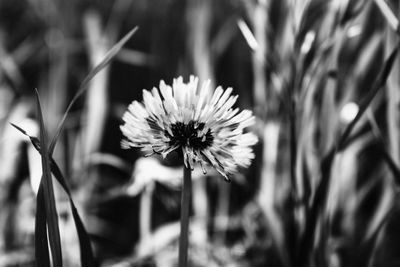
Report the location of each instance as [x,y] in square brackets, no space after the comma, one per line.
[185,204]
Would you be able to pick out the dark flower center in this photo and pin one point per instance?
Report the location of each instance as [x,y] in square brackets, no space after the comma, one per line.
[186,135]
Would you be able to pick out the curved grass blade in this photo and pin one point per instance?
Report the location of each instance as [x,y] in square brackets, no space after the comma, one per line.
[41,246]
[84,85]
[49,199]
[86,252]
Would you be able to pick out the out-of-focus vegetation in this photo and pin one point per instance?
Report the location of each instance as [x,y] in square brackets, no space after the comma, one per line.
[322,190]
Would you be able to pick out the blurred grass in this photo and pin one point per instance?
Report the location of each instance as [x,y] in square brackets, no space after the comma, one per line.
[297,64]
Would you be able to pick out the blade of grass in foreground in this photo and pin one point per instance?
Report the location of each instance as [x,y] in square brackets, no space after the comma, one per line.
[41,245]
[86,252]
[49,199]
[84,85]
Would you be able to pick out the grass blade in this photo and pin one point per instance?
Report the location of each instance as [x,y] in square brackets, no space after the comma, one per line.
[49,199]
[84,85]
[35,142]
[86,252]
[41,246]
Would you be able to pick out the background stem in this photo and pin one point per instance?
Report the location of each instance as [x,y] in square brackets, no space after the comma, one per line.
[185,204]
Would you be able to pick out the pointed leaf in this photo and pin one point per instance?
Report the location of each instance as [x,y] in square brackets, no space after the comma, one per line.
[49,199]
[86,252]
[41,246]
[84,85]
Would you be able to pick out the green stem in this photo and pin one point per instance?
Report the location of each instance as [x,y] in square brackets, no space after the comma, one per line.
[185,204]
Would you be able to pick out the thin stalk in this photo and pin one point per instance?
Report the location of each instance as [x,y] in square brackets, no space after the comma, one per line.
[388,14]
[185,204]
[97,105]
[200,209]
[199,17]
[146,202]
[222,211]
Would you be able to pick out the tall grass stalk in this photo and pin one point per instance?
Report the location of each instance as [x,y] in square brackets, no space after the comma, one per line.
[97,105]
[199,25]
[146,204]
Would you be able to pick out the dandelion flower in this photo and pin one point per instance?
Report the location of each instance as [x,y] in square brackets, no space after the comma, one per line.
[203,126]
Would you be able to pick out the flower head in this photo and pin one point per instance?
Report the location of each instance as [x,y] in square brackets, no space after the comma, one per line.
[190,119]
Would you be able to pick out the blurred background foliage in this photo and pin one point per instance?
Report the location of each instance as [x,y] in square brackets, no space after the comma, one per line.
[304,67]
